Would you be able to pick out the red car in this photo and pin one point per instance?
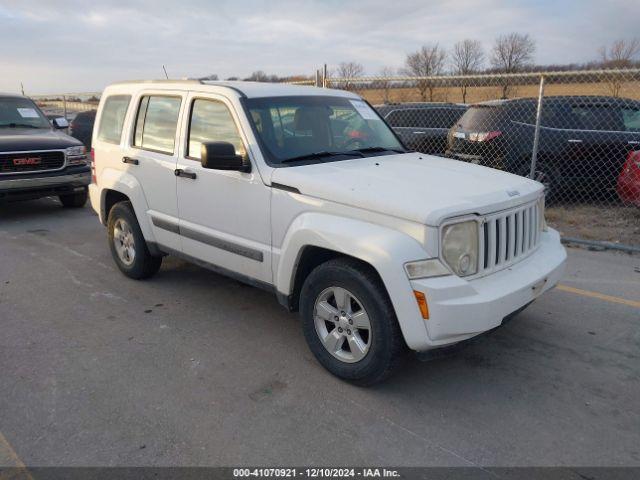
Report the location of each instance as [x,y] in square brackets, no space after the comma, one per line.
[629,180]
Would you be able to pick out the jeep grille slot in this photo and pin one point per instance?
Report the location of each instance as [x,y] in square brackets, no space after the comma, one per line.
[25,162]
[508,237]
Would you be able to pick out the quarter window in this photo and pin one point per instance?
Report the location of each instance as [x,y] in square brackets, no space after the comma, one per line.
[211,121]
[112,119]
[156,123]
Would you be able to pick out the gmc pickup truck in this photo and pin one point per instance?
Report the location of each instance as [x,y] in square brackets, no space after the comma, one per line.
[36,158]
[307,193]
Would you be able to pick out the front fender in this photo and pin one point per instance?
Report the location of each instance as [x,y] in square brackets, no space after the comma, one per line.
[385,249]
[127,184]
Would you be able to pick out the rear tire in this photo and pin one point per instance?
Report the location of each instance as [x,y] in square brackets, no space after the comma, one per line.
[74,200]
[364,345]
[127,244]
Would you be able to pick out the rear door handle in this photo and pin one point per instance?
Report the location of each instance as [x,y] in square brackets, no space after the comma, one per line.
[183,173]
[129,160]
[419,133]
[575,140]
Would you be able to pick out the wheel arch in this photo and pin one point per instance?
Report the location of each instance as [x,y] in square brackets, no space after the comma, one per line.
[314,238]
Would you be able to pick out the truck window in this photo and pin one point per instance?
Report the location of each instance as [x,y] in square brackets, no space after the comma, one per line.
[211,121]
[112,119]
[156,123]
[631,119]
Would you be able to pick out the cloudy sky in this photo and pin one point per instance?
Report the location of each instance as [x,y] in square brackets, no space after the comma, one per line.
[76,45]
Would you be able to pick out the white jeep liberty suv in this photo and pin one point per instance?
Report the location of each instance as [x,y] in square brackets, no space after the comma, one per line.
[308,193]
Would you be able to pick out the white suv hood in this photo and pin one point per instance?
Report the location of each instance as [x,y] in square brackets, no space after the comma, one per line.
[421,188]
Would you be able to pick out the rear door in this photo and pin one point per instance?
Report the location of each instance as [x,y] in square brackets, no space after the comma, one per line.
[151,156]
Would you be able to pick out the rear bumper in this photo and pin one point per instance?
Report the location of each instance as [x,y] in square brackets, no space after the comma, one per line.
[460,309]
[41,185]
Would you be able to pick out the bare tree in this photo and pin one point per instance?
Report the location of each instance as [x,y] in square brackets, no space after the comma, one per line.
[511,54]
[467,58]
[620,54]
[349,71]
[385,83]
[429,61]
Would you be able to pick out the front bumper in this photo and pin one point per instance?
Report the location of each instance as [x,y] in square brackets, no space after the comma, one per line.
[43,184]
[460,309]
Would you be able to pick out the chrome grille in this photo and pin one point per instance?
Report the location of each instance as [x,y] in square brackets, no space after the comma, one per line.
[509,236]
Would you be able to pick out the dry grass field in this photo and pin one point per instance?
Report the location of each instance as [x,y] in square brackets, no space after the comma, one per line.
[481,94]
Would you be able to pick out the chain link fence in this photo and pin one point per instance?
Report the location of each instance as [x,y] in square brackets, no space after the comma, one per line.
[577,132]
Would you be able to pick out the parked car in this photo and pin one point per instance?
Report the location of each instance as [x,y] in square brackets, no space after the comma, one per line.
[423,127]
[583,141]
[36,158]
[629,180]
[379,249]
[81,127]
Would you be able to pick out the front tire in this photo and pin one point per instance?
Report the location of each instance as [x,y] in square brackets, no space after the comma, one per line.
[74,200]
[127,244]
[349,323]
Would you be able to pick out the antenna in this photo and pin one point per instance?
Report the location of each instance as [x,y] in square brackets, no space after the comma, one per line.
[165,72]
[22,88]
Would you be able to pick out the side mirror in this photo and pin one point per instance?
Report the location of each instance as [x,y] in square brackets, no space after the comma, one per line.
[60,123]
[222,156]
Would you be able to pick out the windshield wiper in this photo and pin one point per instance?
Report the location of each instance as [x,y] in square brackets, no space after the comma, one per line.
[18,125]
[379,149]
[311,156]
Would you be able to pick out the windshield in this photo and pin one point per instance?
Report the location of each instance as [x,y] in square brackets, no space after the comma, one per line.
[17,112]
[318,128]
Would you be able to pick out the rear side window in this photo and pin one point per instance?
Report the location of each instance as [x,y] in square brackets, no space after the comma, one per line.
[631,119]
[156,123]
[598,117]
[112,119]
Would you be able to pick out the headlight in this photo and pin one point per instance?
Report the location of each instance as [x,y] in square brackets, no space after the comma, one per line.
[460,247]
[76,155]
[76,151]
[425,268]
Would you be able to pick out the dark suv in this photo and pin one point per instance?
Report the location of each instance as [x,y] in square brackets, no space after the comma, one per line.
[36,158]
[423,127]
[583,141]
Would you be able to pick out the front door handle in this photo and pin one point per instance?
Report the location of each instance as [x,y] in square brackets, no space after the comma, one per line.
[419,133]
[183,173]
[574,140]
[129,160]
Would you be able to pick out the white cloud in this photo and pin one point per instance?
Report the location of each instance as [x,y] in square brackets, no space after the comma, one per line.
[52,46]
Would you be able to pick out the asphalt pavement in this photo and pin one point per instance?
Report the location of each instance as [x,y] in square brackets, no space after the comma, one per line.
[192,368]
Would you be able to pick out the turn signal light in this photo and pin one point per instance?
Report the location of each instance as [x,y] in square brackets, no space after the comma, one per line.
[422,304]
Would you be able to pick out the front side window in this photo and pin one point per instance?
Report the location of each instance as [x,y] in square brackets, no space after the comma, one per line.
[291,128]
[598,117]
[19,112]
[211,121]
[156,123]
[112,118]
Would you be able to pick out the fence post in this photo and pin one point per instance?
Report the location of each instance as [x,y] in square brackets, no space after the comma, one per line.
[317,82]
[64,106]
[324,76]
[536,134]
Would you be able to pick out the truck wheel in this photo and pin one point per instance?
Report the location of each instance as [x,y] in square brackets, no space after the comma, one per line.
[74,200]
[127,244]
[349,322]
